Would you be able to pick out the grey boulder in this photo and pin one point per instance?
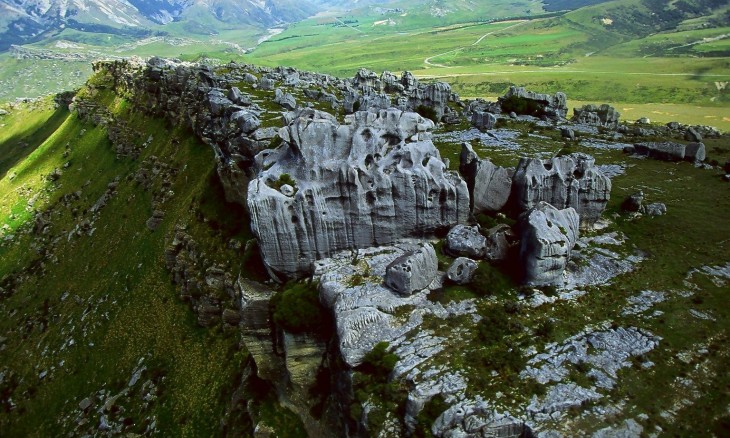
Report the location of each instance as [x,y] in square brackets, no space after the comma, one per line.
[499,240]
[462,270]
[413,271]
[286,100]
[656,209]
[483,120]
[466,241]
[695,152]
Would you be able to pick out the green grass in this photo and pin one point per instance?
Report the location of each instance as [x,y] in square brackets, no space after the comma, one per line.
[127,308]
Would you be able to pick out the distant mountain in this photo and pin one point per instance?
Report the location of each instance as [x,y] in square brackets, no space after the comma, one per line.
[24,21]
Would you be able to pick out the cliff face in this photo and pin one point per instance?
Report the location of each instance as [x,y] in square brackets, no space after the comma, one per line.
[369,182]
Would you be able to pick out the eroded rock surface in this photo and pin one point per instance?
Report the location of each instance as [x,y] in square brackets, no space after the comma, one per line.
[568,181]
[521,101]
[371,181]
[489,185]
[413,271]
[366,311]
[604,115]
[465,241]
[547,239]
[462,270]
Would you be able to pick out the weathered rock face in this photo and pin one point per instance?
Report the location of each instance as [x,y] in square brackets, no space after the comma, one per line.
[365,79]
[604,115]
[547,239]
[366,311]
[256,330]
[489,185]
[666,151]
[499,240]
[462,270]
[466,241]
[670,151]
[413,271]
[435,96]
[521,101]
[568,181]
[369,182]
[482,120]
[478,418]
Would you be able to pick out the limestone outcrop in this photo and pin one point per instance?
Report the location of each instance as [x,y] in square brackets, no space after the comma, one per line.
[489,185]
[371,181]
[670,151]
[521,101]
[413,271]
[568,181]
[366,311]
[604,115]
[547,239]
[483,120]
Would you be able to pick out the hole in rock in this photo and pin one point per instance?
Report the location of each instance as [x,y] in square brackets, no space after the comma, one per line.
[391,138]
[369,161]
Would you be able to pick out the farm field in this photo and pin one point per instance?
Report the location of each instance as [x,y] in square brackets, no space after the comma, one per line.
[682,72]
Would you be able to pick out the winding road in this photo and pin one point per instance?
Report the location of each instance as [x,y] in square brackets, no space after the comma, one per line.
[428,62]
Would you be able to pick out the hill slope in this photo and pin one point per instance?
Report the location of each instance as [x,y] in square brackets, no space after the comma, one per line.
[122,269]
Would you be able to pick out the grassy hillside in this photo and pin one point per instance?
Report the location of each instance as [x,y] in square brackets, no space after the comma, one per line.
[86,300]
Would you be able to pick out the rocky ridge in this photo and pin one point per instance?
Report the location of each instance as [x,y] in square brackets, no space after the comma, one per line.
[375,151]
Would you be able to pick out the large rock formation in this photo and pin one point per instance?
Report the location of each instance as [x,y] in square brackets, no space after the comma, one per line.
[521,101]
[568,181]
[489,185]
[547,239]
[604,115]
[369,182]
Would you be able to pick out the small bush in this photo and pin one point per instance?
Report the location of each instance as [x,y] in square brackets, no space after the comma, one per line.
[545,329]
[284,178]
[378,361]
[431,411]
[427,112]
[489,280]
[297,309]
[519,105]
